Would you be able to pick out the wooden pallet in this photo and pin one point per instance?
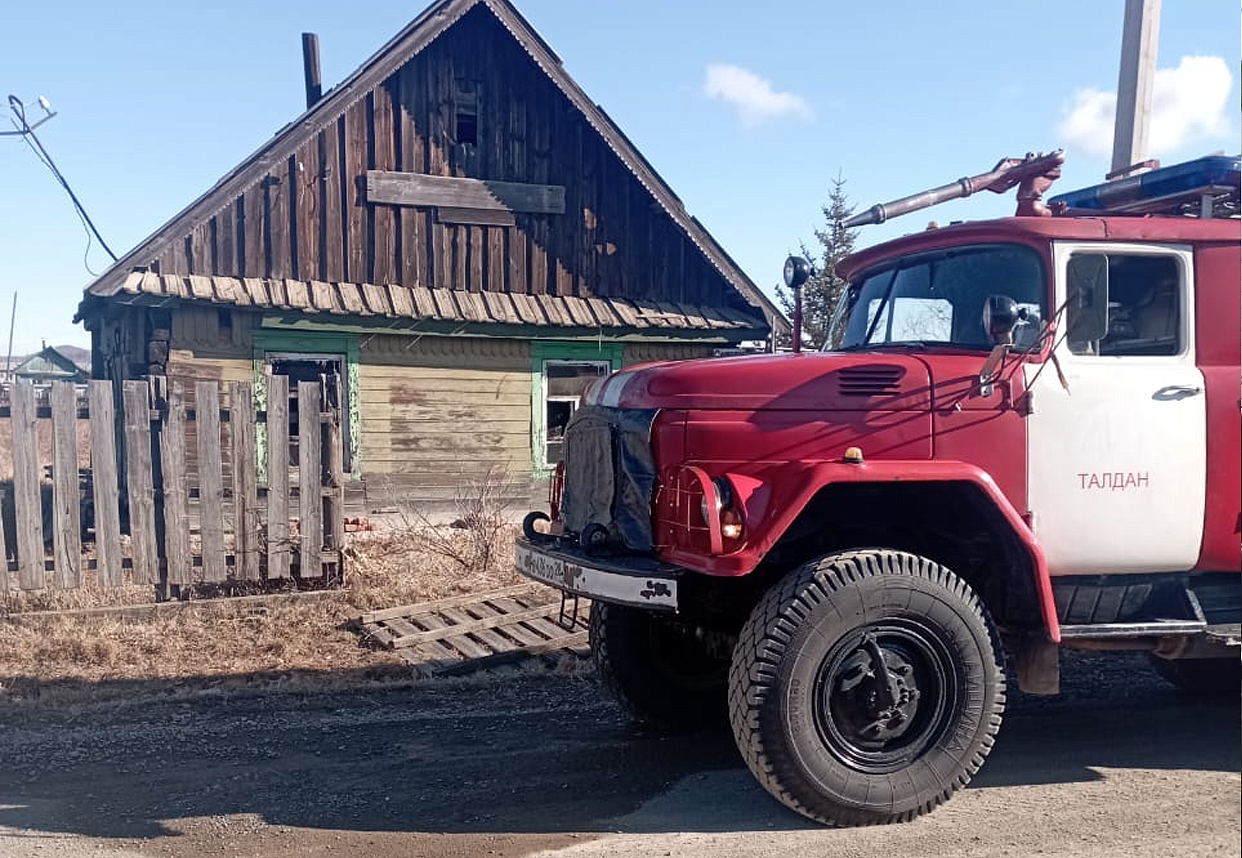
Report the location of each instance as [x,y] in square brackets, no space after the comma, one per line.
[464,634]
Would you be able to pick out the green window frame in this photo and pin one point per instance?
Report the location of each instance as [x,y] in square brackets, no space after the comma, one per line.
[267,342]
[543,352]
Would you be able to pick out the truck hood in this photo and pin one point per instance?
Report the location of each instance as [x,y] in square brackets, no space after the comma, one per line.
[813,381]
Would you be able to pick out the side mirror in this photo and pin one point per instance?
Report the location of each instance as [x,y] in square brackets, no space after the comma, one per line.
[1087,291]
[797,272]
[1001,315]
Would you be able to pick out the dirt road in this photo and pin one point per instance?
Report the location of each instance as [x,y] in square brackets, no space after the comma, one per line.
[543,765]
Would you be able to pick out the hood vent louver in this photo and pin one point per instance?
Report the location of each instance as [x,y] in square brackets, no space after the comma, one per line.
[864,381]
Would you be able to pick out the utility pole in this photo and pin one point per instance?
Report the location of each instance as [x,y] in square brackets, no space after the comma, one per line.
[1140,37]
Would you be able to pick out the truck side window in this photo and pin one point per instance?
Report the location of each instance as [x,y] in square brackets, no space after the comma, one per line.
[1144,309]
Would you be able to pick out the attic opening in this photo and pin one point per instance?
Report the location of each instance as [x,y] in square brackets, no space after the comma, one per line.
[466,111]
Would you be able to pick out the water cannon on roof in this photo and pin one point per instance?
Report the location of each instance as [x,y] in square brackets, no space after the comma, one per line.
[1033,175]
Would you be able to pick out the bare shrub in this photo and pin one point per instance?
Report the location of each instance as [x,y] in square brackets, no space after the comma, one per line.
[473,539]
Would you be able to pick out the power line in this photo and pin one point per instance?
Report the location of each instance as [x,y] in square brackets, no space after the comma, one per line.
[26,130]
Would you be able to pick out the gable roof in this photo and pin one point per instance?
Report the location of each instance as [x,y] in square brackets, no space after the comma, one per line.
[50,364]
[424,29]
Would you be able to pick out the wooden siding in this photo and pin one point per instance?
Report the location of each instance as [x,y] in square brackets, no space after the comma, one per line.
[440,412]
[308,217]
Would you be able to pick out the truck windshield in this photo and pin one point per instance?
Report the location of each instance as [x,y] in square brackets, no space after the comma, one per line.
[938,298]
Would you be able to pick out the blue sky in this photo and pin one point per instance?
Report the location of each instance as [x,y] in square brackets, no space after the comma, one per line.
[748,111]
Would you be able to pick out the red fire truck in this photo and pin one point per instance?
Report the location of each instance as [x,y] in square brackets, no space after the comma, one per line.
[1022,435]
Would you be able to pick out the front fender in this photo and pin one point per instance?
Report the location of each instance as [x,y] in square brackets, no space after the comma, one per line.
[771,501]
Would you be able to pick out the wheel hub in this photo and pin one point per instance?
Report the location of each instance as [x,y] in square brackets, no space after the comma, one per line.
[881,696]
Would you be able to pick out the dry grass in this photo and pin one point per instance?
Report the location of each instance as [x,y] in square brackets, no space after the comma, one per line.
[71,659]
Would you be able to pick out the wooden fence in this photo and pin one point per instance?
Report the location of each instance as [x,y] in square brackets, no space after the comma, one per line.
[171,494]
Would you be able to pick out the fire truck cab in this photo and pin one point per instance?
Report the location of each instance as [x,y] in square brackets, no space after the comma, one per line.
[1024,434]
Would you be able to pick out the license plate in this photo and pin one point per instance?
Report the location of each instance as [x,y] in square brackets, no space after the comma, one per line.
[542,567]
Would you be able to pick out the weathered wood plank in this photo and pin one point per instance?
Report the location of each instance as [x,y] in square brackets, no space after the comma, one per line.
[278,549]
[306,209]
[447,602]
[384,267]
[577,640]
[358,238]
[210,480]
[416,189]
[104,480]
[310,520]
[332,194]
[27,495]
[333,476]
[451,631]
[252,253]
[146,569]
[4,548]
[66,512]
[176,493]
[245,483]
[481,217]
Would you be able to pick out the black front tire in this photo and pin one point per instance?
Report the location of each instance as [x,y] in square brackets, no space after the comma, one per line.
[866,687]
[663,676]
[1208,677]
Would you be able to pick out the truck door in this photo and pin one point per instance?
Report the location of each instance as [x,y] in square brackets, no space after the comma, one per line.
[1117,463]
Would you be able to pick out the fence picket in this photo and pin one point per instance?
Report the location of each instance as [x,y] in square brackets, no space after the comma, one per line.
[27,497]
[104,479]
[245,483]
[309,478]
[278,553]
[4,549]
[137,405]
[66,496]
[176,497]
[210,480]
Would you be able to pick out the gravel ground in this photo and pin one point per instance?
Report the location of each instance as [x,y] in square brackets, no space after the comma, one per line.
[1119,764]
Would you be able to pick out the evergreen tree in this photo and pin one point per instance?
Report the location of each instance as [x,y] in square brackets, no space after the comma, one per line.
[820,293]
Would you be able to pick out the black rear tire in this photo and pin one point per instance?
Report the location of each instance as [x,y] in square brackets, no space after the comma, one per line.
[1208,677]
[663,676]
[834,737]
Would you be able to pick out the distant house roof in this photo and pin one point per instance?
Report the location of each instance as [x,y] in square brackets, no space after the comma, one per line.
[428,26]
[424,308]
[50,365]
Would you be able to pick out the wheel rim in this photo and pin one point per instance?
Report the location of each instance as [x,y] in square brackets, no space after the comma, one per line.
[878,719]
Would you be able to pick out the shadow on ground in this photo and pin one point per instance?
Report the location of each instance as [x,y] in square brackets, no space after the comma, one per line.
[530,753]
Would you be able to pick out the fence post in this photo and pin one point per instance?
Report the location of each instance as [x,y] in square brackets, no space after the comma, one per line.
[104,480]
[138,482]
[66,497]
[176,494]
[310,493]
[333,476]
[245,491]
[278,552]
[210,480]
[27,497]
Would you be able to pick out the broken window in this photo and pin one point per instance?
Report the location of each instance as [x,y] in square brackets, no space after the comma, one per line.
[328,371]
[564,382]
[466,112]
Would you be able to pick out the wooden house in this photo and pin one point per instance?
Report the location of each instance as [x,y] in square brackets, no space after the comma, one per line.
[459,235]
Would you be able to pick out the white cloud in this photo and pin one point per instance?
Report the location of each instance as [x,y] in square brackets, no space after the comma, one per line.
[1188,105]
[753,96]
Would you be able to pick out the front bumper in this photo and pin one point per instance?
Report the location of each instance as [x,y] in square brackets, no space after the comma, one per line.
[637,581]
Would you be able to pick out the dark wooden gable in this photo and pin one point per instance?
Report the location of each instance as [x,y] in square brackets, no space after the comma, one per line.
[472,107]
